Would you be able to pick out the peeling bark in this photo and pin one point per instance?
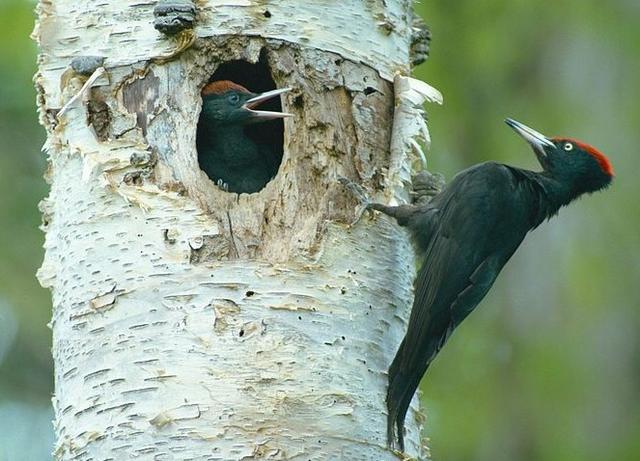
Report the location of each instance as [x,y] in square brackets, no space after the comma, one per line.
[192,323]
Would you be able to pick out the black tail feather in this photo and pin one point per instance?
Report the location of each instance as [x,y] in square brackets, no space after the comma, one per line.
[399,396]
[400,392]
[395,397]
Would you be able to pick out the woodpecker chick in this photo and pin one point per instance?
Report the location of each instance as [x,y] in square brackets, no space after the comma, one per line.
[226,153]
[466,234]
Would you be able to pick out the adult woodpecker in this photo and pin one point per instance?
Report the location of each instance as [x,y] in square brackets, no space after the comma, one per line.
[226,153]
[466,234]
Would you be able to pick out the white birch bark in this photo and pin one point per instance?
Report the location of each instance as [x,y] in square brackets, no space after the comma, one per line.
[190,323]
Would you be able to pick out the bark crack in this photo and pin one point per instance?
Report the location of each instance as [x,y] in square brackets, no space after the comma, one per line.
[233,239]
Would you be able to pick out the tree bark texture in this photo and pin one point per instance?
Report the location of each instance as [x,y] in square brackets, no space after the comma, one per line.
[193,323]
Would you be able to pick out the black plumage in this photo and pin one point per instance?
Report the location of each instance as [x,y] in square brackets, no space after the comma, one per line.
[464,237]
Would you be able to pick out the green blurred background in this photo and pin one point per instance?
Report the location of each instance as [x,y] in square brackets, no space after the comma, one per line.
[26,373]
[549,367]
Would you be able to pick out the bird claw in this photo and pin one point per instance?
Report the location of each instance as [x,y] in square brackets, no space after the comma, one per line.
[360,194]
[426,185]
[222,185]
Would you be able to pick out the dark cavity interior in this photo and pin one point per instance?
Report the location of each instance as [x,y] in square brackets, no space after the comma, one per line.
[268,136]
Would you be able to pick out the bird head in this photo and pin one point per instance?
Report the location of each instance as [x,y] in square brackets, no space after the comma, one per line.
[581,166]
[226,103]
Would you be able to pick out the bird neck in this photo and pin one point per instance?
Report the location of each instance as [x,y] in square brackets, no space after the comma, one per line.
[552,195]
[546,194]
[230,130]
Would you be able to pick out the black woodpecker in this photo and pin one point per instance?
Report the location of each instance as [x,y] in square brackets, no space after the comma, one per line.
[226,153]
[466,234]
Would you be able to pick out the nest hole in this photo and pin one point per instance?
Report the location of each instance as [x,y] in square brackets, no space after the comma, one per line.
[238,149]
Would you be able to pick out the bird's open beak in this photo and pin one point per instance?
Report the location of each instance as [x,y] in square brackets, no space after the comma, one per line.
[537,140]
[265,114]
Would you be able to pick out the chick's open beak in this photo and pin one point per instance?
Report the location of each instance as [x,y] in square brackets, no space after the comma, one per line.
[259,99]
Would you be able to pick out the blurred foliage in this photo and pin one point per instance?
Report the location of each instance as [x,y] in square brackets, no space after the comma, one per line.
[548,368]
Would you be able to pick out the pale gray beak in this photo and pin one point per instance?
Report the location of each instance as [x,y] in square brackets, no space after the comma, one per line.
[537,140]
[265,114]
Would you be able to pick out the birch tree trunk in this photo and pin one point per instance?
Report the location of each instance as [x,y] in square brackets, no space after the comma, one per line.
[193,323]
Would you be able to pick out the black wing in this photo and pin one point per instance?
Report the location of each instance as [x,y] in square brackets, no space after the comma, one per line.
[477,229]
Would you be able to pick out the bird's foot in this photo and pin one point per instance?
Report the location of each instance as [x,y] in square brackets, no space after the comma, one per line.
[364,202]
[222,185]
[426,185]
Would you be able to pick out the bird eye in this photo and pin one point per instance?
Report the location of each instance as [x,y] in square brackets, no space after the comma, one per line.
[234,98]
[568,147]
